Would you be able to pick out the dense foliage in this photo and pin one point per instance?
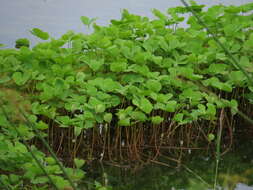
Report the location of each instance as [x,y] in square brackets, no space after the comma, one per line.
[125,88]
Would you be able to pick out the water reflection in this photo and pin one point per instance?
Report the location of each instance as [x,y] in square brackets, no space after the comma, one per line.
[197,173]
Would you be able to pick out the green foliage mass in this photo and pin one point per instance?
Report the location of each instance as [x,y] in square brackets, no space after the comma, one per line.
[22,42]
[123,74]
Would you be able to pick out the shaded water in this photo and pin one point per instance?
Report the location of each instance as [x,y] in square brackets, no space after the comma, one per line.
[197,173]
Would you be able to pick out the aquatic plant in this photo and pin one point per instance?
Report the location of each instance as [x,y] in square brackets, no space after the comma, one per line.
[129,92]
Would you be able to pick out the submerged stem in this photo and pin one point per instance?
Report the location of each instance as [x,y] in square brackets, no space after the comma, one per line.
[218,152]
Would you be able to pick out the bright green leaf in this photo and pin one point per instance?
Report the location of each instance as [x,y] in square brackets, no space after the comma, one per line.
[40,34]
[156,120]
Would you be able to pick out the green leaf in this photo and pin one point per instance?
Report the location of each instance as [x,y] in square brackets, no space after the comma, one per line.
[94,102]
[246,64]
[156,120]
[85,20]
[249,43]
[145,105]
[163,98]
[217,68]
[60,182]
[108,117]
[91,90]
[132,78]
[173,42]
[50,160]
[79,162]
[234,106]
[60,84]
[65,120]
[210,137]
[3,120]
[108,85]
[100,108]
[20,147]
[141,69]
[160,15]
[178,117]
[211,109]
[124,122]
[77,130]
[22,42]
[87,115]
[40,34]
[95,65]
[237,77]
[89,124]
[80,76]
[215,82]
[118,66]
[154,85]
[39,180]
[231,29]
[138,116]
[171,106]
[41,125]
[14,178]
[191,94]
[19,78]
[201,109]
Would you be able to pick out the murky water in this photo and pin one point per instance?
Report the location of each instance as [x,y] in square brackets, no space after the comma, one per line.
[198,173]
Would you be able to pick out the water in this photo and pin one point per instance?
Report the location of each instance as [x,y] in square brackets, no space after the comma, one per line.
[197,173]
[18,17]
